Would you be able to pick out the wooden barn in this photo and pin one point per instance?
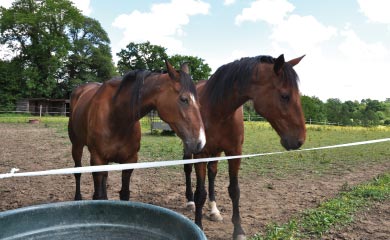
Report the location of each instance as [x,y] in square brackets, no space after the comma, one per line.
[43,106]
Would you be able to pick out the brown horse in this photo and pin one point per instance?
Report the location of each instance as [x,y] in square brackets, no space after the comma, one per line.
[272,85]
[104,117]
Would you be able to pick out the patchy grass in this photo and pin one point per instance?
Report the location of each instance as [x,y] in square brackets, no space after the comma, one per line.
[339,211]
[261,138]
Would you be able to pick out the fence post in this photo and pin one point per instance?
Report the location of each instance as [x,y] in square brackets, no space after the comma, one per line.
[40,111]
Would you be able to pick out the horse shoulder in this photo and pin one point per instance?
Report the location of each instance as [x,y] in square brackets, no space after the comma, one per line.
[80,101]
[226,134]
[98,122]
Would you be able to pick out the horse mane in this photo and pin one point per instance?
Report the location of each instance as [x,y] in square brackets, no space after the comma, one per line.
[135,80]
[187,84]
[238,74]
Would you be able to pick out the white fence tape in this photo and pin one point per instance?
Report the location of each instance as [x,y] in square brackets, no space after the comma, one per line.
[118,167]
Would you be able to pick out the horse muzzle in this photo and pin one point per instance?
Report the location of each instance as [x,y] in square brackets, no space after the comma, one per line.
[194,147]
[291,143]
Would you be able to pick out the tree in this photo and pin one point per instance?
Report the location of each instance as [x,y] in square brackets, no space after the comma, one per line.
[351,114]
[313,109]
[198,68]
[50,37]
[38,28]
[89,58]
[334,112]
[374,105]
[11,84]
[141,56]
[151,57]
[372,112]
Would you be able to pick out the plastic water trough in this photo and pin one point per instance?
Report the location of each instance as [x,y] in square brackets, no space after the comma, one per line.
[87,220]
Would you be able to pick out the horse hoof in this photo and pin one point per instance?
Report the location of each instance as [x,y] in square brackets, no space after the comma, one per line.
[215,214]
[240,237]
[191,206]
[216,217]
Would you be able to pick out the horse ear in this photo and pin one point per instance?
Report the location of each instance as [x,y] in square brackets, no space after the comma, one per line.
[185,67]
[171,71]
[295,61]
[279,63]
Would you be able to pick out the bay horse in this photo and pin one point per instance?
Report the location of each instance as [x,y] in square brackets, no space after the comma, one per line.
[272,85]
[105,118]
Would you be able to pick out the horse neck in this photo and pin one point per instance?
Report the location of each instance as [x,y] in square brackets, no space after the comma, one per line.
[226,108]
[147,94]
[150,91]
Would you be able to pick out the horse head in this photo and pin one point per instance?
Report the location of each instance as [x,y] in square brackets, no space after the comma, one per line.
[177,104]
[282,107]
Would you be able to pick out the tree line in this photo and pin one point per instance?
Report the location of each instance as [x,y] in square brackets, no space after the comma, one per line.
[55,48]
[367,112]
[333,111]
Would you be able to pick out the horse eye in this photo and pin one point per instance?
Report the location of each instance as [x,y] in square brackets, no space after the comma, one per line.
[184,100]
[285,98]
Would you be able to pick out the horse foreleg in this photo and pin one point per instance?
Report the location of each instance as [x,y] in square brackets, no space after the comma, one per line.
[124,193]
[234,193]
[100,185]
[212,169]
[200,192]
[77,153]
[189,194]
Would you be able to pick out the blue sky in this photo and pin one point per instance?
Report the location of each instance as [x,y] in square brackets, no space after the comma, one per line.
[347,43]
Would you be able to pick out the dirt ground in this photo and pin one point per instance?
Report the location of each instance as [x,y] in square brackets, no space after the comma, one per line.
[31,147]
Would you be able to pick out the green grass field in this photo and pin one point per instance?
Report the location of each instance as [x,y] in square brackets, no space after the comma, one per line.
[261,138]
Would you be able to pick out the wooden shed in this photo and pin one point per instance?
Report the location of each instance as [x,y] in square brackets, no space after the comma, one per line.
[43,106]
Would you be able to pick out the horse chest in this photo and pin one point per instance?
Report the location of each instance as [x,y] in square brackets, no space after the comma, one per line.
[111,147]
[225,134]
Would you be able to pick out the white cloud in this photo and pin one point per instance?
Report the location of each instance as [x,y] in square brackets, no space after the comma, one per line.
[238,54]
[6,3]
[376,10]
[228,2]
[353,69]
[359,71]
[162,25]
[353,47]
[302,33]
[84,6]
[270,11]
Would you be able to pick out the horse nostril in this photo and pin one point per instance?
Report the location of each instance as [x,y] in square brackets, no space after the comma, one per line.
[199,147]
[300,142]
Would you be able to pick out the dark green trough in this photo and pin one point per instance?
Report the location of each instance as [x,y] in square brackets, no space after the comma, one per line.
[87,220]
